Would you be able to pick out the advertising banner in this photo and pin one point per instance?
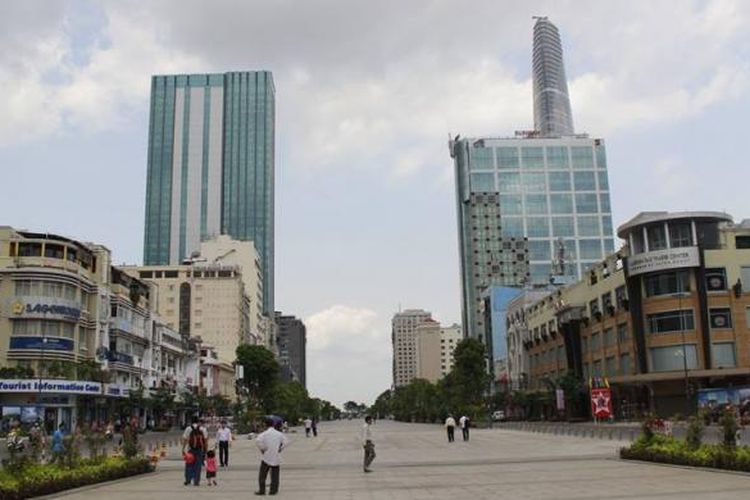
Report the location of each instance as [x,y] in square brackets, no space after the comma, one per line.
[660,260]
[601,402]
[46,343]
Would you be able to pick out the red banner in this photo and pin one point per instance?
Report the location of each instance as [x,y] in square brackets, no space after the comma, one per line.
[601,402]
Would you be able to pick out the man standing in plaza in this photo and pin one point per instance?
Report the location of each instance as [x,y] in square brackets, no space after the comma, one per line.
[368,444]
[270,443]
[464,423]
[224,438]
[450,426]
[308,426]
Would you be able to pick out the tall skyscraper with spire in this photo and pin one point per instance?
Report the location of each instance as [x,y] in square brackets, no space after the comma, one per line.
[211,166]
[533,209]
[552,114]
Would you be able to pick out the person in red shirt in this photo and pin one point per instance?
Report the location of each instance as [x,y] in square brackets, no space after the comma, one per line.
[211,467]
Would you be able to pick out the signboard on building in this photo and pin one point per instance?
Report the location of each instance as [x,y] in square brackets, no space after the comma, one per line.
[116,390]
[560,399]
[50,308]
[45,343]
[661,260]
[49,386]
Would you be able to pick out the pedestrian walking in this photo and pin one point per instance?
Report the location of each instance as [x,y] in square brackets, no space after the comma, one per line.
[194,447]
[464,422]
[271,442]
[315,427]
[308,426]
[450,426]
[368,444]
[224,438]
[211,468]
[58,448]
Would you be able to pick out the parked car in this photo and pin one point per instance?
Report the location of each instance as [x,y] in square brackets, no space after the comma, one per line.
[498,416]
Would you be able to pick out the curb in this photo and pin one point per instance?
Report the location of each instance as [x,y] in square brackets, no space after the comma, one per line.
[686,467]
[89,487]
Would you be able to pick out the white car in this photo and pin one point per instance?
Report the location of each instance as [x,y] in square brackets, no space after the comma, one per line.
[498,416]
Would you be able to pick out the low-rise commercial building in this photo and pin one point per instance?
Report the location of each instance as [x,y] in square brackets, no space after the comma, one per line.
[661,319]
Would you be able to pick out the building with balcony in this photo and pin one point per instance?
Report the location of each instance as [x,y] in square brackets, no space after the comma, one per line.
[663,318]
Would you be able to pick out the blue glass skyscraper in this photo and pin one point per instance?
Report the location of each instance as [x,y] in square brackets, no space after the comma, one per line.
[211,166]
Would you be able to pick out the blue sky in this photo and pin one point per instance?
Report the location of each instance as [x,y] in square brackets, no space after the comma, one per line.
[367,95]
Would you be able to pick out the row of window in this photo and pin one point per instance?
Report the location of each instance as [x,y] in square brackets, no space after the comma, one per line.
[43,328]
[579,157]
[555,204]
[34,288]
[53,251]
[539,182]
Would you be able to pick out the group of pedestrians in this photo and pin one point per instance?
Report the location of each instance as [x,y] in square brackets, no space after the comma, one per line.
[197,452]
[311,426]
[450,426]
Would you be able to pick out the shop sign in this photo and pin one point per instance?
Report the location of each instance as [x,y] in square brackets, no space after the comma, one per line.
[116,390]
[44,310]
[560,399]
[45,343]
[660,260]
[49,386]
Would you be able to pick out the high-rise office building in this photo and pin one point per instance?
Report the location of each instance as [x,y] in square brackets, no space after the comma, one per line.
[292,341]
[552,114]
[533,209]
[404,341]
[211,166]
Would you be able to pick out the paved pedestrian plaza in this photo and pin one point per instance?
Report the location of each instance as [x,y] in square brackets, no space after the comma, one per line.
[415,461]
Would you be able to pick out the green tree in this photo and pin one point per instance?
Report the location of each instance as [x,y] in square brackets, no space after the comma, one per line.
[292,401]
[261,374]
[382,405]
[464,387]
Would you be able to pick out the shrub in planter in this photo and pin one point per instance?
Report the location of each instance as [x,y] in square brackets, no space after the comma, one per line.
[729,428]
[694,435]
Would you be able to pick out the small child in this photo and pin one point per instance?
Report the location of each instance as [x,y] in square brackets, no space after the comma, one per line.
[211,467]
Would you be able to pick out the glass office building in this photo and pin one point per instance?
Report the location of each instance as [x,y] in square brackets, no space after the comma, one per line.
[529,210]
[552,114]
[211,166]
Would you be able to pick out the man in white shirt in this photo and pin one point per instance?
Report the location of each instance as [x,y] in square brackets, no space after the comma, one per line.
[368,444]
[450,426]
[464,423]
[308,426]
[270,443]
[224,438]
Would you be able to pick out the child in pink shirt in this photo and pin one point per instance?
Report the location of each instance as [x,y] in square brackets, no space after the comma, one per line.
[211,468]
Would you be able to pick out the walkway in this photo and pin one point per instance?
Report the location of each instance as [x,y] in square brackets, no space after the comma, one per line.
[415,462]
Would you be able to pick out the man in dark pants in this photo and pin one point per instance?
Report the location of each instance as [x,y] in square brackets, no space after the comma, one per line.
[368,444]
[464,422]
[270,443]
[224,438]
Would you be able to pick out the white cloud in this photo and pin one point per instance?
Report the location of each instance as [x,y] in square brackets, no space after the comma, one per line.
[348,354]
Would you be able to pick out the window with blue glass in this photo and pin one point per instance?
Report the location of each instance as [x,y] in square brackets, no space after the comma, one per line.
[536,204]
[584,181]
[532,157]
[590,249]
[537,227]
[563,227]
[582,157]
[559,181]
[511,226]
[604,202]
[482,159]
[557,157]
[561,203]
[586,203]
[607,225]
[510,204]
[507,157]
[603,181]
[482,183]
[539,250]
[601,156]
[540,273]
[609,245]
[571,250]
[509,182]
[588,225]
[534,182]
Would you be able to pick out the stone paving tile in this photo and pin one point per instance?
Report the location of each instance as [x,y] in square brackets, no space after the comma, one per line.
[415,462]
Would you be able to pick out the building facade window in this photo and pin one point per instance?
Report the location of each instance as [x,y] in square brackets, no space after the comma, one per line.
[723,355]
[667,283]
[625,364]
[507,157]
[622,333]
[672,358]
[720,318]
[716,279]
[611,366]
[557,157]
[559,181]
[670,321]
[657,239]
[680,234]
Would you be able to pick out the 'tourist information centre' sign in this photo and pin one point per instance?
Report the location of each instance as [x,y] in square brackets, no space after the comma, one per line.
[50,386]
[660,260]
